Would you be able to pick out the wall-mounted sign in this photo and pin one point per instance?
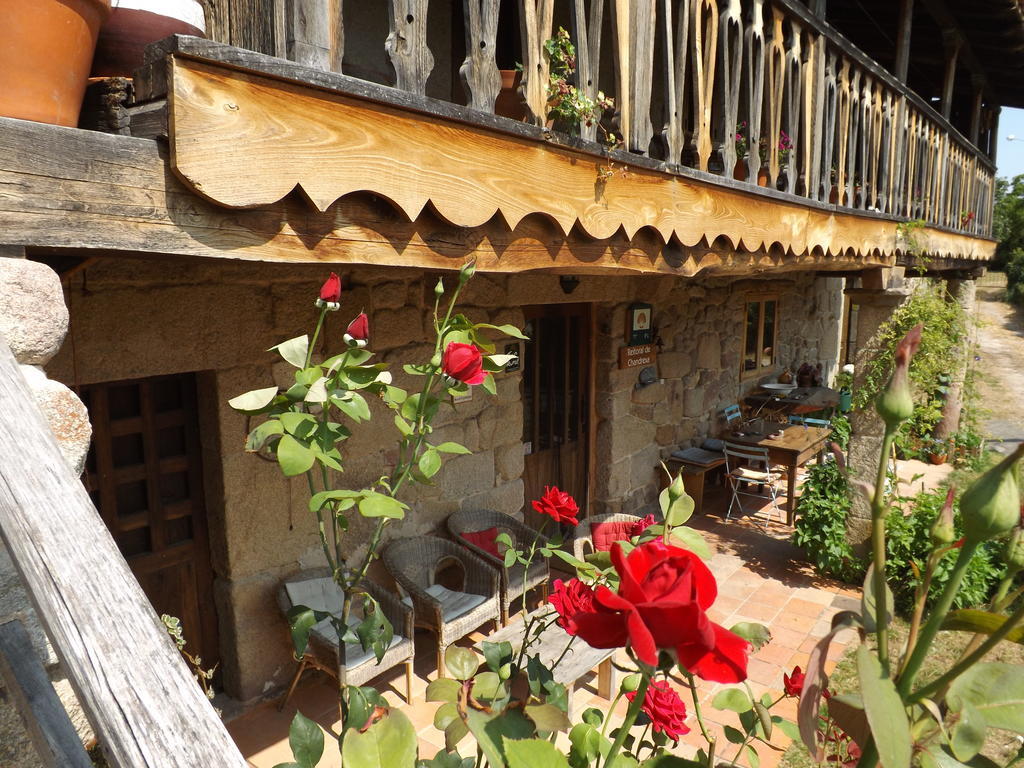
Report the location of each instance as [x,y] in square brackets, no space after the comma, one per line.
[639,324]
[638,356]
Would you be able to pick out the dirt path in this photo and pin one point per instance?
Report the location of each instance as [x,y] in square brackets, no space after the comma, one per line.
[1001,362]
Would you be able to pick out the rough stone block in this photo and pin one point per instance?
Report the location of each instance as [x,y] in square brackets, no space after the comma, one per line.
[509,460]
[500,425]
[675,365]
[652,393]
[65,413]
[693,402]
[507,498]
[390,295]
[33,318]
[397,327]
[465,475]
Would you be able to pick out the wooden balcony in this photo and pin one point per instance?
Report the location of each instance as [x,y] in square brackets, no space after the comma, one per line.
[693,81]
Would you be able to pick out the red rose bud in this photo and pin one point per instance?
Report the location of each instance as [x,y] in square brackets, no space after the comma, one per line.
[463,362]
[896,403]
[558,505]
[991,506]
[793,683]
[665,709]
[570,599]
[330,291]
[942,531]
[358,331]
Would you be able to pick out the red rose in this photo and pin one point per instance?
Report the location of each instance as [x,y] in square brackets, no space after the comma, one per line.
[793,683]
[463,362]
[569,599]
[641,525]
[558,505]
[663,594]
[359,329]
[666,710]
[330,291]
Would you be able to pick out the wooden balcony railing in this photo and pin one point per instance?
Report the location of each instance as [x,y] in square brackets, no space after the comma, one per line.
[817,116]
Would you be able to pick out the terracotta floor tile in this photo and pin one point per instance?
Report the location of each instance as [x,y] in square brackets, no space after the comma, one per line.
[775,653]
[790,638]
[798,659]
[759,610]
[764,673]
[808,608]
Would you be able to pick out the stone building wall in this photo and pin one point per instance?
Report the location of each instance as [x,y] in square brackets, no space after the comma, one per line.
[134,318]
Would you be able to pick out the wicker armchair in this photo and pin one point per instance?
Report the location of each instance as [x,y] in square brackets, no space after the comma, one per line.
[583,542]
[316,589]
[450,614]
[470,521]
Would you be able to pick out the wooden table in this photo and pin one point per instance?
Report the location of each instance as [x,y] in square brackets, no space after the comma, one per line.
[580,659]
[792,449]
[800,400]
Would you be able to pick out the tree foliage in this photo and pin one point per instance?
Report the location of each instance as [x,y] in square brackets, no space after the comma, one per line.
[1008,218]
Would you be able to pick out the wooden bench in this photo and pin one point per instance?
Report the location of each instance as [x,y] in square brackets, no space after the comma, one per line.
[693,477]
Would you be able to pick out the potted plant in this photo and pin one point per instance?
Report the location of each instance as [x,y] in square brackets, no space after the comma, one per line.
[568,106]
[45,53]
[740,170]
[509,102]
[938,451]
[134,24]
[844,382]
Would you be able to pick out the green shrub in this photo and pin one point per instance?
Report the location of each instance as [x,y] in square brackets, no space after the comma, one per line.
[821,532]
[1015,277]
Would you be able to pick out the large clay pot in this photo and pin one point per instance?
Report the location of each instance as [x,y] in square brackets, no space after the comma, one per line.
[134,24]
[46,48]
[509,103]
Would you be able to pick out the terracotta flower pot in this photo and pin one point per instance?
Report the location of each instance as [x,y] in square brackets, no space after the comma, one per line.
[46,48]
[509,103]
[739,172]
[937,458]
[762,178]
[134,24]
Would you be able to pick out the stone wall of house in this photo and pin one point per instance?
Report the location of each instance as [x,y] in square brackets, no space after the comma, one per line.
[133,318]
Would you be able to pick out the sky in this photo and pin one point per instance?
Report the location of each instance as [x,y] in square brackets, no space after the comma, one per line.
[1010,154]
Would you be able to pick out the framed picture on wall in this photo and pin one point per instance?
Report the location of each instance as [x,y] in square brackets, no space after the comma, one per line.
[639,324]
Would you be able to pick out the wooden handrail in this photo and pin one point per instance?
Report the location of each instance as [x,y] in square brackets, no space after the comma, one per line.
[135,688]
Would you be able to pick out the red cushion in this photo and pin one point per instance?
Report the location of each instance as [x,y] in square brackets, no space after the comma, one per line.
[606,534]
[484,539]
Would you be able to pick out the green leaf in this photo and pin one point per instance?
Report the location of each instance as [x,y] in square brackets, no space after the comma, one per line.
[293,456]
[995,690]
[548,717]
[461,662]
[430,462]
[443,689]
[690,539]
[403,426]
[886,714]
[752,756]
[757,634]
[306,741]
[868,602]
[262,434]
[497,655]
[593,716]
[586,744]
[254,401]
[734,735]
[967,736]
[354,407]
[294,350]
[733,700]
[676,512]
[573,561]
[319,500]
[452,448]
[301,620]
[300,424]
[496,363]
[487,685]
[533,753]
[510,558]
[972,620]
[491,731]
[375,504]
[446,714]
[317,391]
[390,742]
[847,709]
[489,386]
[456,731]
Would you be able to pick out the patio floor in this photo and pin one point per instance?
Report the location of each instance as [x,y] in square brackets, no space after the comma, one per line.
[761,577]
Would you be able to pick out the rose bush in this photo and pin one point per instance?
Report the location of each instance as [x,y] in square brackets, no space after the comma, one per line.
[558,505]
[463,362]
[664,708]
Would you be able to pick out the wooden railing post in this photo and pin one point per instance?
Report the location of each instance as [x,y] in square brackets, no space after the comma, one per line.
[139,695]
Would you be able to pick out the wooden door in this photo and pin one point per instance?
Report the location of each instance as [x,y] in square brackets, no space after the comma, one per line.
[556,402]
[144,473]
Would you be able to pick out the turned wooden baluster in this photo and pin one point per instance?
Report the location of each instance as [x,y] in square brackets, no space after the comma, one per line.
[407,45]
[535,19]
[623,43]
[314,33]
[705,47]
[813,128]
[899,155]
[876,143]
[885,161]
[866,141]
[676,55]
[853,179]
[794,89]
[640,58]
[754,59]
[828,133]
[587,35]
[479,71]
[913,163]
[730,34]
[843,131]
[776,89]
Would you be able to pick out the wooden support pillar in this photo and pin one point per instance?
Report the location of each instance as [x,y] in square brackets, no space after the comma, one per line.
[874,308]
[906,22]
[994,133]
[951,41]
[962,292]
[819,8]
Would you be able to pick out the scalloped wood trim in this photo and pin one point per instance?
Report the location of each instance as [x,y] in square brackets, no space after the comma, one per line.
[244,141]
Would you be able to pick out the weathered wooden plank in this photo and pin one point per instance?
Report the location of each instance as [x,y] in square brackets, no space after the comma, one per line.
[622,42]
[754,61]
[314,33]
[139,694]
[406,44]
[642,22]
[730,44]
[776,89]
[53,735]
[794,101]
[586,31]
[675,32]
[479,70]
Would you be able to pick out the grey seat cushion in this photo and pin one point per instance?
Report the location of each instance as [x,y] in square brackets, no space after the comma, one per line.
[453,603]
